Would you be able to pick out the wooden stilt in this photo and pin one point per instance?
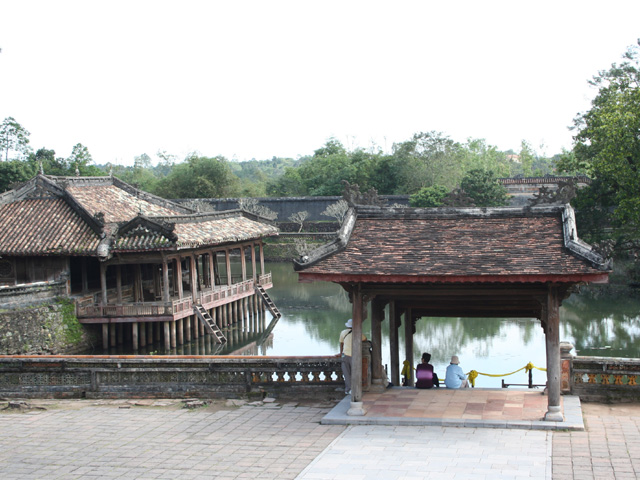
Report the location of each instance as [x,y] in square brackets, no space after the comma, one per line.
[134,335]
[167,336]
[105,335]
[180,331]
[143,335]
[112,334]
[173,334]
[187,328]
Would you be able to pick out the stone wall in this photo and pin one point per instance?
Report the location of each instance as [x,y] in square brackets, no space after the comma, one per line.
[44,329]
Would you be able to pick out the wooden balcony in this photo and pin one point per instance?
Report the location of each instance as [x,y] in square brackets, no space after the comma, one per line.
[90,310]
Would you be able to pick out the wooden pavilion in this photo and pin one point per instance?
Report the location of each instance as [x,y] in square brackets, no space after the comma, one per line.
[144,268]
[454,262]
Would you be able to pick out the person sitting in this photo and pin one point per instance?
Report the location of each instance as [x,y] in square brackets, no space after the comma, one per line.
[425,376]
[455,377]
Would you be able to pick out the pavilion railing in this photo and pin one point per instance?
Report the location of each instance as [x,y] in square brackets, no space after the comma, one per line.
[89,306]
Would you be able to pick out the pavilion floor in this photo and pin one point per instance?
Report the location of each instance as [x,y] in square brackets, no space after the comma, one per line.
[469,407]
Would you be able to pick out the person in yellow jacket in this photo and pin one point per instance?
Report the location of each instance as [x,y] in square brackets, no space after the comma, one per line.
[345,354]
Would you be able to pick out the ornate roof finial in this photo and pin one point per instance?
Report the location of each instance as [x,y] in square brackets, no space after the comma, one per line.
[77,170]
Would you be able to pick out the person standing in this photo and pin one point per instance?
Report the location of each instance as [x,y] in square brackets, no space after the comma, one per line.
[455,377]
[345,353]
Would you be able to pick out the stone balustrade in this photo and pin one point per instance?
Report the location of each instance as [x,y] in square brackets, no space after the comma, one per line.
[164,377]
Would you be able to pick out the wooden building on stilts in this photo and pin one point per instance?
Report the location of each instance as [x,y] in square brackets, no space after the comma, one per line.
[143,268]
[408,264]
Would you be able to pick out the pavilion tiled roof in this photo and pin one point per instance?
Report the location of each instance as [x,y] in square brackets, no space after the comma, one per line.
[427,245]
[44,226]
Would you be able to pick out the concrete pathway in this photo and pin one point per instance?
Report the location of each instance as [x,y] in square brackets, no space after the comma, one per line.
[88,439]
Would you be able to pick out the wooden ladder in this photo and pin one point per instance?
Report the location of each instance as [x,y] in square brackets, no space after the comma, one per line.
[209,324]
[268,302]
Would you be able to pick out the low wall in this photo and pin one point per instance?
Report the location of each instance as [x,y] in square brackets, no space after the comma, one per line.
[165,377]
[17,296]
[602,379]
[44,329]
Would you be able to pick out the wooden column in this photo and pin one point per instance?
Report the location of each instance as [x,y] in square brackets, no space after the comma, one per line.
[187,328]
[137,282]
[552,341]
[193,274]
[377,372]
[356,353]
[253,262]
[227,257]
[261,258]
[119,284]
[243,262]
[394,353]
[212,272]
[103,282]
[179,277]
[408,344]
[166,297]
[112,334]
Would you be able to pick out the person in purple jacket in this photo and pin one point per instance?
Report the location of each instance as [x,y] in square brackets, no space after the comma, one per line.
[425,376]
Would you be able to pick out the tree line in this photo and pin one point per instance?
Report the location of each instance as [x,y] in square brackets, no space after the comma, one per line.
[431,167]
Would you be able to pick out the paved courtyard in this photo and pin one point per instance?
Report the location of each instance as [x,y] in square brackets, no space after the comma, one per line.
[93,439]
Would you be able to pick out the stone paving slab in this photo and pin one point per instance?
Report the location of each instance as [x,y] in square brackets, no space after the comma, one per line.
[411,452]
[571,409]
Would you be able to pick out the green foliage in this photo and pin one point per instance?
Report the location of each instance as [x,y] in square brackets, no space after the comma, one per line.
[429,159]
[199,177]
[13,137]
[429,197]
[607,147]
[73,330]
[483,188]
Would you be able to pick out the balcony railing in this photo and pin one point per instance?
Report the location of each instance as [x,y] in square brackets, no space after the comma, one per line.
[178,308]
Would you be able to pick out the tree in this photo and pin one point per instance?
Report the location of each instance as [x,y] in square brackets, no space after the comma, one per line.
[80,161]
[428,197]
[607,147]
[14,172]
[336,210]
[13,137]
[199,177]
[483,188]
[299,218]
[429,159]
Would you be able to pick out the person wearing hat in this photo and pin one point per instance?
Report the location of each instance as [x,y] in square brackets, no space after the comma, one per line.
[455,377]
[345,354]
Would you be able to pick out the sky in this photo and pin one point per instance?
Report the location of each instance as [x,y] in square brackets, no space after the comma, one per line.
[258,79]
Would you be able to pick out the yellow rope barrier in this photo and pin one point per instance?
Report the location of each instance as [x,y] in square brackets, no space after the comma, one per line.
[473,374]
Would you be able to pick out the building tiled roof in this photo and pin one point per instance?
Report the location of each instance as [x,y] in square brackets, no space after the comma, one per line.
[116,204]
[44,226]
[99,215]
[442,245]
[194,231]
